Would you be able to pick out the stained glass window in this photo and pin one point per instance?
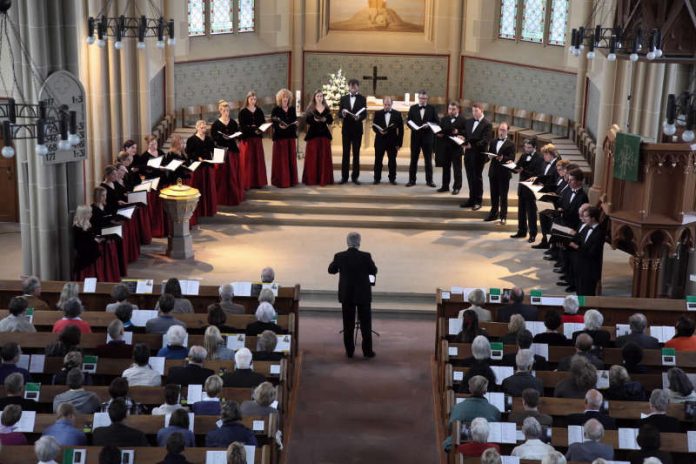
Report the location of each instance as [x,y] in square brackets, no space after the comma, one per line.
[246,16]
[508,19]
[196,17]
[533,20]
[221,16]
[558,22]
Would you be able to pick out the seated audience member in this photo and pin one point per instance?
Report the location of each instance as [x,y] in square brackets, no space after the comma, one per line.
[649,441]
[31,287]
[517,306]
[70,360]
[491,456]
[659,402]
[14,393]
[17,320]
[68,340]
[110,454]
[632,355]
[593,404]
[218,318]
[263,397]
[266,344]
[478,442]
[523,378]
[175,450]
[242,376]
[69,290]
[231,429]
[124,313]
[266,295]
[637,324]
[64,430]
[236,453]
[592,448]
[533,447]
[47,450]
[211,405]
[583,347]
[193,373]
[118,433]
[479,365]
[140,374]
[178,423]
[265,315]
[10,354]
[215,345]
[476,299]
[181,304]
[470,327]
[524,342]
[117,346]
[593,320]
[226,295]
[515,326]
[175,349]
[171,401]
[8,423]
[552,336]
[72,309]
[684,338]
[622,388]
[118,390]
[267,275]
[120,293]
[164,320]
[530,404]
[581,377]
[554,457]
[85,402]
[476,405]
[570,310]
[681,389]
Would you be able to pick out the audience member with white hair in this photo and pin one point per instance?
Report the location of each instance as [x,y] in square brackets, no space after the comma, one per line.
[243,375]
[209,406]
[117,346]
[637,324]
[47,450]
[193,373]
[479,363]
[267,275]
[265,320]
[554,457]
[478,440]
[523,378]
[592,447]
[622,388]
[593,321]
[593,404]
[515,326]
[226,295]
[31,289]
[491,456]
[262,403]
[571,305]
[533,447]
[266,344]
[175,347]
[659,402]
[477,298]
[266,295]
[582,377]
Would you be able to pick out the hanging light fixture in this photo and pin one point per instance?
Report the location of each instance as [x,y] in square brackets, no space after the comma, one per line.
[680,112]
[617,42]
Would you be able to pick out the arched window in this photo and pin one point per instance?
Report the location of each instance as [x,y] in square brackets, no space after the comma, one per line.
[210,17]
[538,21]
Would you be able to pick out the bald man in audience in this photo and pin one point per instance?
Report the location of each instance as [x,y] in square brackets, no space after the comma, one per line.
[592,448]
[593,403]
[583,347]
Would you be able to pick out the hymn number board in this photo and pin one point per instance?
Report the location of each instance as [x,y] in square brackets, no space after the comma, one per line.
[64,89]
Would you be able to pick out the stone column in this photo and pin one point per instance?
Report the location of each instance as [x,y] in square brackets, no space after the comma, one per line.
[456,30]
[580,84]
[605,119]
[652,103]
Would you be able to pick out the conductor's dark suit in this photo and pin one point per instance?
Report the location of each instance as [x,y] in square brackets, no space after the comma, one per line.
[451,152]
[478,136]
[389,142]
[352,132]
[354,292]
[421,140]
[499,176]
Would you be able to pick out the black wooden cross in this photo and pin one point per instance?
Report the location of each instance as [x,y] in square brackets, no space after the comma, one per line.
[374,78]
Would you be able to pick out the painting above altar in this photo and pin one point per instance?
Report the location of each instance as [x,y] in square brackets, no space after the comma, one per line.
[377,15]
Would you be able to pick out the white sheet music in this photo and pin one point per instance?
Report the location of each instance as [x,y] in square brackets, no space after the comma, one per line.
[157,364]
[497,399]
[415,126]
[434,127]
[100,419]
[665,381]
[602,380]
[193,166]
[257,426]
[218,156]
[622,329]
[155,162]
[274,369]
[241,288]
[662,332]
[173,165]
[37,363]
[115,230]
[457,140]
[509,460]
[533,187]
[89,285]
[236,341]
[140,316]
[283,343]
[195,393]
[233,136]
[510,165]
[502,373]
[264,127]
[627,439]
[552,300]
[26,422]
[458,376]
[575,434]
[502,432]
[190,287]
[126,212]
[24,361]
[455,326]
[570,327]
[137,197]
[453,351]
[127,336]
[144,186]
[536,327]
[144,286]
[541,349]
[691,440]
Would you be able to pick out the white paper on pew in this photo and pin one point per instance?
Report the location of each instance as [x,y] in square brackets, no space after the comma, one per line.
[126,212]
[627,439]
[457,290]
[541,349]
[157,364]
[502,373]
[26,422]
[622,329]
[37,363]
[79,456]
[458,376]
[455,326]
[220,457]
[445,295]
[165,342]
[101,419]
[602,380]
[190,287]
[236,341]
[137,197]
[127,456]
[283,344]
[535,327]
[24,360]
[452,351]
[192,416]
[509,460]
[497,399]
[570,327]
[519,435]
[144,286]
[275,369]
[89,285]
[155,162]
[241,288]
[552,300]
[140,316]
[195,393]
[127,336]
[691,440]
[575,434]
[274,286]
[662,332]
[257,426]
[502,432]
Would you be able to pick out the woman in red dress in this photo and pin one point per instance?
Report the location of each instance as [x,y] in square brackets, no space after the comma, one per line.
[228,176]
[318,166]
[140,161]
[284,117]
[199,147]
[250,145]
[86,245]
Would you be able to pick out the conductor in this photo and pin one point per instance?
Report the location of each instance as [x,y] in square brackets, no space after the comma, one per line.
[355,268]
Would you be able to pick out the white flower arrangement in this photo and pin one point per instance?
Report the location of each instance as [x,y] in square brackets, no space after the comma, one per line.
[335,88]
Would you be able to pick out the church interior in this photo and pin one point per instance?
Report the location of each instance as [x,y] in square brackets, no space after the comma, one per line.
[607,86]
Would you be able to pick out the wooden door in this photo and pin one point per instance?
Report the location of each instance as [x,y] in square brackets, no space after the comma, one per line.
[9,209]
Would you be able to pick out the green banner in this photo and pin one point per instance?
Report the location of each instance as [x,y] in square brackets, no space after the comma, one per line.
[627,157]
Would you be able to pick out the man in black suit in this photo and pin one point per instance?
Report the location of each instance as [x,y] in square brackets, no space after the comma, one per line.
[549,179]
[587,268]
[353,111]
[530,164]
[117,433]
[452,128]
[638,323]
[479,132]
[528,312]
[354,292]
[388,126]
[593,403]
[498,175]
[193,373]
[421,139]
[522,378]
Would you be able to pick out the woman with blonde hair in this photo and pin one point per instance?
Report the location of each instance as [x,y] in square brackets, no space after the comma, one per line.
[215,345]
[318,165]
[251,152]
[284,117]
[228,179]
[69,290]
[199,147]
[86,245]
[236,453]
[176,153]
[112,249]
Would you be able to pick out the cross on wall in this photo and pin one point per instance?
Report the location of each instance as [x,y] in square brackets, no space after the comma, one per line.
[374,78]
